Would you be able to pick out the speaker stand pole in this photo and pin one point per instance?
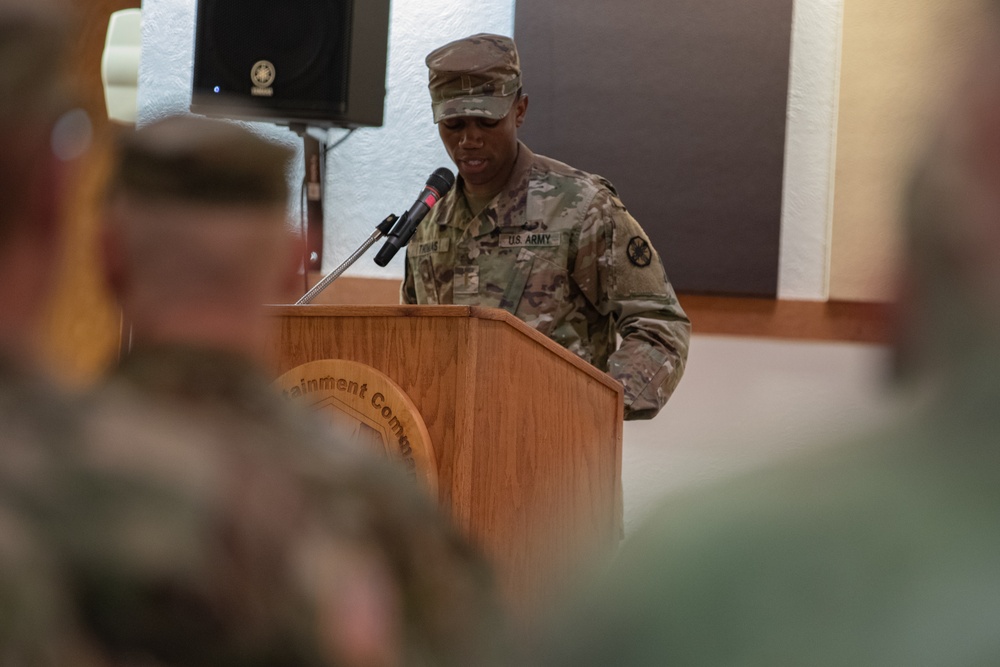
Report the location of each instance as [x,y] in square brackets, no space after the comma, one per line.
[314,198]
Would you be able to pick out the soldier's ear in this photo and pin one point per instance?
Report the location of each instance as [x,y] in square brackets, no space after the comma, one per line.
[520,109]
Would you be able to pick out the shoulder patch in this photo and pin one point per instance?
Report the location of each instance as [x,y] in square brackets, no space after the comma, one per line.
[466,280]
[639,253]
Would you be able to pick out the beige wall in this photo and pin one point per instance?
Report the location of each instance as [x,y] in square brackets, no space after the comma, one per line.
[899,59]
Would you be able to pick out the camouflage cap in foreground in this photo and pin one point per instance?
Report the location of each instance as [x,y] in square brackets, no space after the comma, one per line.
[475,76]
[200,160]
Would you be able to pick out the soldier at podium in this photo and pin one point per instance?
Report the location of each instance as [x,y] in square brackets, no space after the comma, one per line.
[551,244]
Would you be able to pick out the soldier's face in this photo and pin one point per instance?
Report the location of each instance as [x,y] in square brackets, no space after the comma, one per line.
[484,149]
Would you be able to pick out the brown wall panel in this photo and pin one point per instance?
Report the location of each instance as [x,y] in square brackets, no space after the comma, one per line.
[682,105]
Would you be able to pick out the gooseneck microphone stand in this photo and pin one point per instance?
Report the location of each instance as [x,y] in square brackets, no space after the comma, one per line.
[383,229]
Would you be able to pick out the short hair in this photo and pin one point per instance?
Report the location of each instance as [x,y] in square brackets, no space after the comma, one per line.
[200,160]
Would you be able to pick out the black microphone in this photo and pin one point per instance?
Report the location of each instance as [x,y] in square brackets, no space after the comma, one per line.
[437,187]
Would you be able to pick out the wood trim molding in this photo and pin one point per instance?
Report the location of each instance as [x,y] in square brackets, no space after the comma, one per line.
[845,321]
[351,291]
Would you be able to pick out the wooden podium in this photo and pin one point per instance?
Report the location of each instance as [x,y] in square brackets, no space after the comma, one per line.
[527,436]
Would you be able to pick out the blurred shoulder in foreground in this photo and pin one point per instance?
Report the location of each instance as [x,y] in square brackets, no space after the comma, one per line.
[280,528]
[874,552]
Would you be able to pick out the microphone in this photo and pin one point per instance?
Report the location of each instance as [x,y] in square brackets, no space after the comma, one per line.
[437,187]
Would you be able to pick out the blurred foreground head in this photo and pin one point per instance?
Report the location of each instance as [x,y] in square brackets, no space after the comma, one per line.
[32,41]
[196,240]
[951,293]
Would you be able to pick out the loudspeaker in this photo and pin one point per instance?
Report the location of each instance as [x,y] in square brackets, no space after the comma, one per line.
[317,62]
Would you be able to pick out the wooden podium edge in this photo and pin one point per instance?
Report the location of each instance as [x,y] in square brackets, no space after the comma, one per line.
[476,312]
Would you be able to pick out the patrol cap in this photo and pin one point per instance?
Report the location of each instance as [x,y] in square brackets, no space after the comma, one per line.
[201,160]
[475,76]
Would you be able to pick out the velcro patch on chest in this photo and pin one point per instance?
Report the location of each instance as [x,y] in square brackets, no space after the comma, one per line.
[431,247]
[530,239]
[466,280]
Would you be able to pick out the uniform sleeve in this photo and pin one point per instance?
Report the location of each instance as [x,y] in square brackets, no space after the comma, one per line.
[627,280]
[407,292]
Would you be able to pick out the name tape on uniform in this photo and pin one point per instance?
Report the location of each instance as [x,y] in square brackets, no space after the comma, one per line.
[431,247]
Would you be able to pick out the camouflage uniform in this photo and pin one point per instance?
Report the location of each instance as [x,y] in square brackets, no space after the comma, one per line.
[34,611]
[556,247]
[370,538]
[559,250]
[127,540]
[185,515]
[214,523]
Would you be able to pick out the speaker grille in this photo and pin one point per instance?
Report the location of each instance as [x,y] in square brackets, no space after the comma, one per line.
[306,41]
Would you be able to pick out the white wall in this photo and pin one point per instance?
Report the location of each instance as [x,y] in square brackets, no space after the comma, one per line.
[809,149]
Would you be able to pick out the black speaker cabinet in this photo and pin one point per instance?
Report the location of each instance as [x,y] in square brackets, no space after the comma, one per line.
[317,62]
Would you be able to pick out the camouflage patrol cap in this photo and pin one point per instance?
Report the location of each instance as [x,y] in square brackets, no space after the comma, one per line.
[475,76]
[200,160]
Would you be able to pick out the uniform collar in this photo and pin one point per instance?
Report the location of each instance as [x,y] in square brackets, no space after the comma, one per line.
[506,210]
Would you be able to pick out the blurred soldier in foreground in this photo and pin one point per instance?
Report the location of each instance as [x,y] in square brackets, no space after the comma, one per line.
[195,243]
[32,612]
[551,244]
[881,551]
[133,532]
[31,176]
